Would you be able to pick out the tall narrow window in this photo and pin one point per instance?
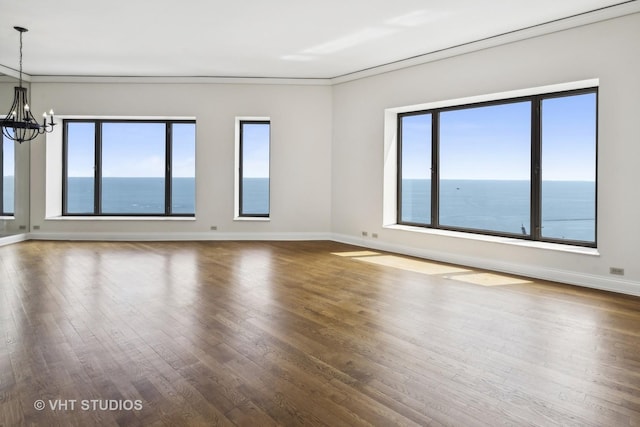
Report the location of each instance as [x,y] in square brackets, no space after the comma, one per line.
[183,168]
[568,167]
[80,143]
[415,169]
[7,166]
[129,167]
[254,168]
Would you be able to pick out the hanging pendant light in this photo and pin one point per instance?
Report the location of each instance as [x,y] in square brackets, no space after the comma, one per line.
[19,124]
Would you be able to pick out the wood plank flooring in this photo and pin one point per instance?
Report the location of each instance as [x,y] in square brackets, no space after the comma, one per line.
[302,333]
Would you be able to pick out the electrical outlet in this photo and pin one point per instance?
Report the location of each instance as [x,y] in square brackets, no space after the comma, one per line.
[617,271]
[365,234]
[36,227]
[374,235]
[22,227]
[214,227]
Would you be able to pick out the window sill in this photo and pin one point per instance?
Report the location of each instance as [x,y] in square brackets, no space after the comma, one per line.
[497,239]
[121,218]
[252,218]
[7,218]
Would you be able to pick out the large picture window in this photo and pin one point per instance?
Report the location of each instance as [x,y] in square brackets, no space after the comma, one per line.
[254,168]
[129,167]
[7,173]
[523,167]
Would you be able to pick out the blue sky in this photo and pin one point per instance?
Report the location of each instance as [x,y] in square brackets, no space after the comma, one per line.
[493,142]
[255,150]
[490,142]
[8,157]
[131,150]
[416,146]
[8,170]
[568,135]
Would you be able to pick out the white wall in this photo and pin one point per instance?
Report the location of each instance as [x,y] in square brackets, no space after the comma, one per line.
[300,155]
[607,51]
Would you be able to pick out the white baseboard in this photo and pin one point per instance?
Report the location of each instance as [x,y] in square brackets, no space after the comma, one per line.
[15,238]
[628,287]
[197,236]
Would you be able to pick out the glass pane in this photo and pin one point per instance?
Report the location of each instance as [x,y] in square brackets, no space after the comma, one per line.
[415,171]
[183,168]
[569,167]
[8,176]
[133,168]
[80,167]
[485,167]
[255,169]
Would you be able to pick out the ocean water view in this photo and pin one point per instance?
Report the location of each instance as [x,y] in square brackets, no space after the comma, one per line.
[7,194]
[130,195]
[568,207]
[146,195]
[255,196]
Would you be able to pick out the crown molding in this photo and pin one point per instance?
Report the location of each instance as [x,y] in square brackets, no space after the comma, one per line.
[181,80]
[10,74]
[611,12]
[599,15]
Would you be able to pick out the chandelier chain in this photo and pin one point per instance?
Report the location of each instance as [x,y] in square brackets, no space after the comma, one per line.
[20,58]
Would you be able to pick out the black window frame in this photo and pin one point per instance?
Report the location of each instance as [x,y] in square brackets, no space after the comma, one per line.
[97,194]
[535,167]
[241,212]
[2,212]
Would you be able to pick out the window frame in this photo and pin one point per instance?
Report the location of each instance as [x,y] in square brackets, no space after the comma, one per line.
[535,177]
[241,122]
[2,207]
[97,177]
[2,212]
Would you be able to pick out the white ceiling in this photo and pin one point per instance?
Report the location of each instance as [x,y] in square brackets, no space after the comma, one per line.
[255,38]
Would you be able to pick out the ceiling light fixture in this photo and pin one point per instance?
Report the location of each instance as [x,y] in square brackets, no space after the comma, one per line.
[19,124]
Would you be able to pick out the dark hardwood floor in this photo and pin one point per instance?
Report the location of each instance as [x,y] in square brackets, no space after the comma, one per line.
[302,333]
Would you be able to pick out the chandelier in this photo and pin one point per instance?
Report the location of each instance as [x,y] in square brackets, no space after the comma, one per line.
[19,124]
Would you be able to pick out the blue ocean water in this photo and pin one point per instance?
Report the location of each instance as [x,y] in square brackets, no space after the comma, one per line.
[568,207]
[146,195]
[7,194]
[130,195]
[255,196]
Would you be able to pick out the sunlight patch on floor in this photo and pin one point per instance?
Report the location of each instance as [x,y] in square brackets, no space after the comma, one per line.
[408,264]
[355,253]
[433,268]
[489,279]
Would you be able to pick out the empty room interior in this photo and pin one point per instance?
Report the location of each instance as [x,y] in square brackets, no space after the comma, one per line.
[355,213]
